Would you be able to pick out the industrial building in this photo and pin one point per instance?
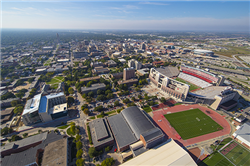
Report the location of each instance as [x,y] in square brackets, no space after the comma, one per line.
[168,153]
[93,88]
[133,125]
[44,108]
[173,88]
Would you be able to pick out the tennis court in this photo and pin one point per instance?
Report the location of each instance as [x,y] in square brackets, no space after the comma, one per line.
[192,123]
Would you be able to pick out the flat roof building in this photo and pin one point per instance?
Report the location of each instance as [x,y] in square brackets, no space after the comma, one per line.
[93,87]
[242,134]
[101,133]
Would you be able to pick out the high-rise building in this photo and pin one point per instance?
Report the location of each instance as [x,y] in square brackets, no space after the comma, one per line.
[143,46]
[128,73]
[135,64]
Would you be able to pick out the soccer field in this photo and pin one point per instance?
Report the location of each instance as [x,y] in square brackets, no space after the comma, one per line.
[192,123]
[237,154]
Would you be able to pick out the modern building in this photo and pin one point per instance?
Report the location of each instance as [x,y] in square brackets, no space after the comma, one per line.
[173,88]
[93,88]
[133,125]
[101,133]
[96,64]
[242,134]
[44,108]
[168,153]
[80,54]
[135,64]
[122,60]
[128,73]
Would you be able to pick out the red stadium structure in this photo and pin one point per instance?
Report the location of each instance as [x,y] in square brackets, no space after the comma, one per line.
[199,73]
[162,122]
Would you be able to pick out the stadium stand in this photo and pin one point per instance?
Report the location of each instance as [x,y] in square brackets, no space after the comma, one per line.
[194,80]
[199,73]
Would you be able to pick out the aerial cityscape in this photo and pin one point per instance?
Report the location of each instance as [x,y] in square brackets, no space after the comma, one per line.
[130,83]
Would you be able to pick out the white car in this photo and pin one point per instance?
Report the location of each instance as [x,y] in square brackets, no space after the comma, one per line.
[159,120]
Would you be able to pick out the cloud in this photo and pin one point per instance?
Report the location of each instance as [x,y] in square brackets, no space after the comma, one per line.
[124,8]
[152,3]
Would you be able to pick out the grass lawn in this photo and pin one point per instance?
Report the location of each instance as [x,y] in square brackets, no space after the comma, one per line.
[54,86]
[69,132]
[192,86]
[177,103]
[192,123]
[53,81]
[59,77]
[147,109]
[111,112]
[63,127]
[47,62]
[92,117]
[101,116]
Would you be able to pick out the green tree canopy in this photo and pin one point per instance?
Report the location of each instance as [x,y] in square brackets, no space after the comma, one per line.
[71,90]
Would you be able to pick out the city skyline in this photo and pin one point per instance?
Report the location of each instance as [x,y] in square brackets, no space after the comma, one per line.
[127,15]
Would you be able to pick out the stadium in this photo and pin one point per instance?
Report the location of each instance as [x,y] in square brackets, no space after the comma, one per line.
[203,52]
[195,85]
[191,124]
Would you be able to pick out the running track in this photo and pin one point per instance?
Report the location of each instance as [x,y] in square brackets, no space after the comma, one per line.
[171,133]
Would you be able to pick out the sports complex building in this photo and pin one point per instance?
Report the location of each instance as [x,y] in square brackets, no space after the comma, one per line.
[131,129]
[160,77]
[44,108]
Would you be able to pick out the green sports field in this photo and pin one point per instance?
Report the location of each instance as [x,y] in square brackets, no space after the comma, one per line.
[239,156]
[192,123]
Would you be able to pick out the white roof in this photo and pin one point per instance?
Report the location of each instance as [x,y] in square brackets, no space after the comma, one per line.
[58,108]
[167,153]
[203,51]
[32,104]
[242,133]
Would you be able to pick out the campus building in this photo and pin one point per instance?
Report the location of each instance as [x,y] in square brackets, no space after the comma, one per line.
[242,134]
[173,88]
[128,73]
[132,125]
[44,108]
[93,88]
[135,64]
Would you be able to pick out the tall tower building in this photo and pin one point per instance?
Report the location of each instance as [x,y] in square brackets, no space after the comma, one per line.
[57,38]
[135,64]
[128,73]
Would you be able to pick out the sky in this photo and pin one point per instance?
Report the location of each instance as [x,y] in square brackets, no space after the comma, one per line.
[126,15]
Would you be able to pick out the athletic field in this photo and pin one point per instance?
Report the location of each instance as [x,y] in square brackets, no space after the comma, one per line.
[192,123]
[230,155]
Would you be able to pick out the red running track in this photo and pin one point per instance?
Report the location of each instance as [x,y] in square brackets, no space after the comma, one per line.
[171,133]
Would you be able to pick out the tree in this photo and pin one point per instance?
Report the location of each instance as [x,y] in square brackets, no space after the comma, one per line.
[91,94]
[70,100]
[139,96]
[15,102]
[18,110]
[92,152]
[78,145]
[163,100]
[108,162]
[107,149]
[25,135]
[116,103]
[71,90]
[84,106]
[79,154]
[133,98]
[86,111]
[80,162]
[78,137]
[99,91]
[6,130]
[15,137]
[30,80]
[73,128]
[110,96]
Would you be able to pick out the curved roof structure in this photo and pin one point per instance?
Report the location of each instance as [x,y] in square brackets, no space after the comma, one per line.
[138,121]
